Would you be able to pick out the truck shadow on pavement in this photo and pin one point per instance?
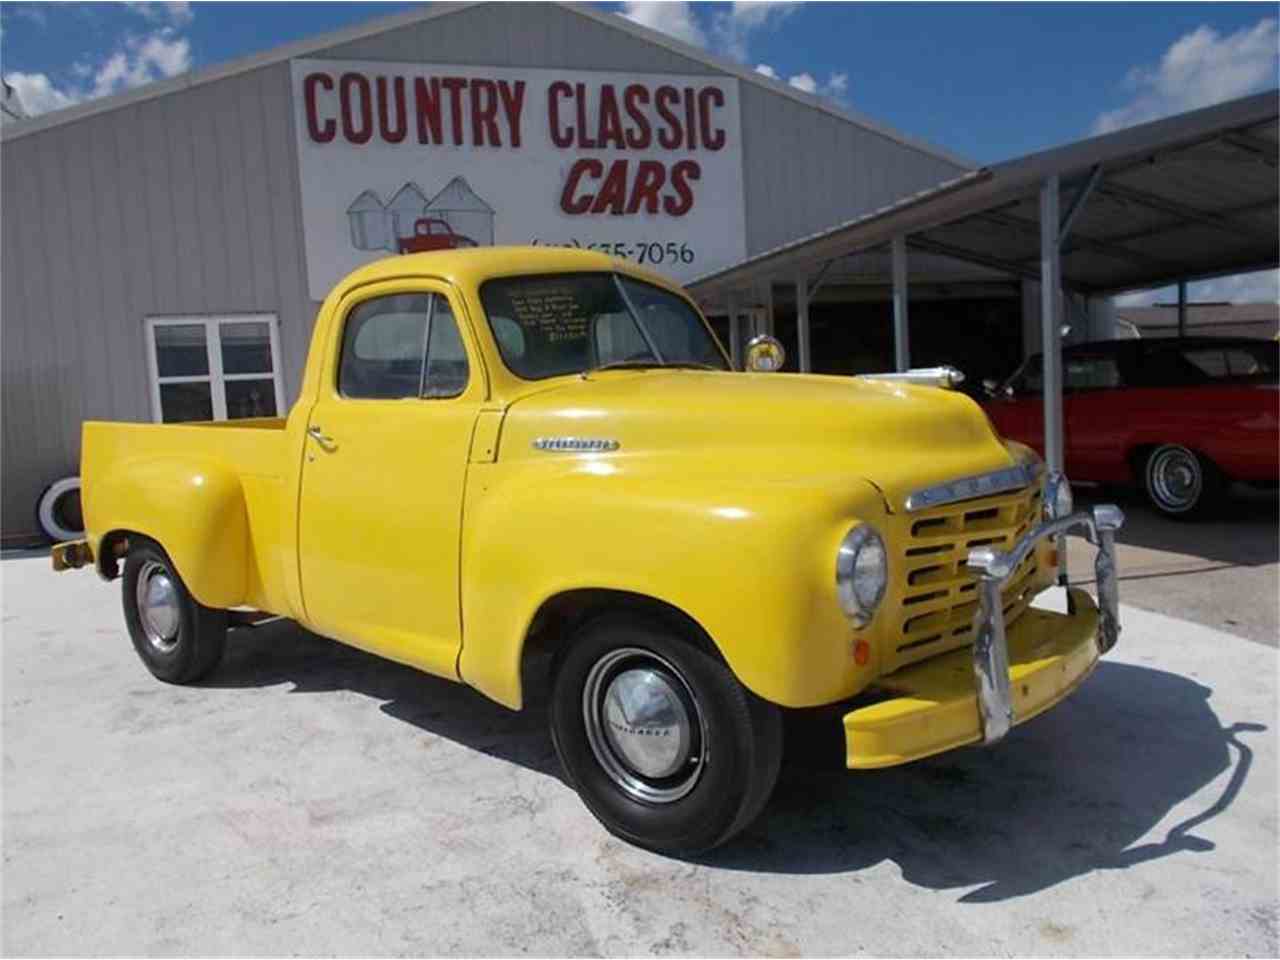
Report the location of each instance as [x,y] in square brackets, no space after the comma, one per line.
[1071,792]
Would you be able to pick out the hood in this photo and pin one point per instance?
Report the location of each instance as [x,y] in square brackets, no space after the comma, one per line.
[898,437]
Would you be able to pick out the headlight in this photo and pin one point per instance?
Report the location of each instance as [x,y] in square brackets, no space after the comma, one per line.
[1057,497]
[862,570]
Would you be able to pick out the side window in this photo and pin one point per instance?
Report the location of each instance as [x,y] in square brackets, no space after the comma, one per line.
[447,369]
[1167,365]
[1230,362]
[1211,362]
[383,347]
[1090,373]
[1031,379]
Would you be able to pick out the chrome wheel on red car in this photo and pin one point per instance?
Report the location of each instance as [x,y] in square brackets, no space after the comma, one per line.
[1179,481]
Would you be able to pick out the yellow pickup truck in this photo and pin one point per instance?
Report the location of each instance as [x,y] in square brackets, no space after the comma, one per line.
[502,450]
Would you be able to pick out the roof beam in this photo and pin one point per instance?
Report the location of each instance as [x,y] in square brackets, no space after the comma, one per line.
[1269,204]
[1082,242]
[1173,207]
[1264,150]
[925,245]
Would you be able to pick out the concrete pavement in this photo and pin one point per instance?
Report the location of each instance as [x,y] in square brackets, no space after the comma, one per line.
[311,799]
[1222,572]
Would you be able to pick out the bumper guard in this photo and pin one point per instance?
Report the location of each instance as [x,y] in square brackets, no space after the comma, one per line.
[993,567]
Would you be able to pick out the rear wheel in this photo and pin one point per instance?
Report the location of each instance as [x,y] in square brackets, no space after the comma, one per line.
[179,640]
[663,744]
[1180,482]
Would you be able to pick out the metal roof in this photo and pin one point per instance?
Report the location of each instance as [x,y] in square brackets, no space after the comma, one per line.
[1187,197]
[323,42]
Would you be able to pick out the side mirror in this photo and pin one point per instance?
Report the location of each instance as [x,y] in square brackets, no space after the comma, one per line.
[764,354]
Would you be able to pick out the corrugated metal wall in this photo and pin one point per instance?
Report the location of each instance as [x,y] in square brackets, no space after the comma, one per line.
[189,204]
[185,204]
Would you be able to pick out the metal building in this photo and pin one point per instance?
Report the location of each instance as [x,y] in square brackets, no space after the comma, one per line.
[216,207]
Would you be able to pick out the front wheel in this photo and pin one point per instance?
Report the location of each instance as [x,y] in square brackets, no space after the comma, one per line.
[179,640]
[661,741]
[1180,483]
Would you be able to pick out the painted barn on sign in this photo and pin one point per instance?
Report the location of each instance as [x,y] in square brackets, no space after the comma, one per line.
[403,210]
[464,210]
[370,227]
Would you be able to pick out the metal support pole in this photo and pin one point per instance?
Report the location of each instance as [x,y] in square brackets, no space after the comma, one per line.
[1182,308]
[1050,323]
[735,333]
[802,323]
[767,319]
[901,337]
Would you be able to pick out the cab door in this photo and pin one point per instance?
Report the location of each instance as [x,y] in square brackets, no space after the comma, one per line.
[383,469]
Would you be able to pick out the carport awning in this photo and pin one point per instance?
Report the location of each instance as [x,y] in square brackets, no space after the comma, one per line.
[1184,198]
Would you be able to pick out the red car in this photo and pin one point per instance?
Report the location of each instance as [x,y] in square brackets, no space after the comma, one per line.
[1179,417]
[431,233]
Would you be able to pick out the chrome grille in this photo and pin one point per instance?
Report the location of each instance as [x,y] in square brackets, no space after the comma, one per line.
[939,599]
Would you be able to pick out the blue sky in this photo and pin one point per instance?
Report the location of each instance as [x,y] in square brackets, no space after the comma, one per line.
[986,81]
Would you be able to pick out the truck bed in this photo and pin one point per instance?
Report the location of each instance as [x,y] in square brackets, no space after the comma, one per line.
[123,465]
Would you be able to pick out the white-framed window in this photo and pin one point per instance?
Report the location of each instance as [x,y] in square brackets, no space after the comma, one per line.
[214,368]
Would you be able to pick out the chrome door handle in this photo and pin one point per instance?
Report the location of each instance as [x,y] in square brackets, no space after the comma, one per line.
[318,434]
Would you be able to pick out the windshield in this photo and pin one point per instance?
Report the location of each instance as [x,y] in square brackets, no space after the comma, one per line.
[553,324]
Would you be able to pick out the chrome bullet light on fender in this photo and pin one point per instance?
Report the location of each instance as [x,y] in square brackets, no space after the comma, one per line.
[1058,501]
[862,570]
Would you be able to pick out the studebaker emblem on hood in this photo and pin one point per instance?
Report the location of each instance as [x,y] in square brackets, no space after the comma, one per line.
[575,444]
[966,488]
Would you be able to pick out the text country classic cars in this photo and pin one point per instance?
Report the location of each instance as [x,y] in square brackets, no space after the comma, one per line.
[355,107]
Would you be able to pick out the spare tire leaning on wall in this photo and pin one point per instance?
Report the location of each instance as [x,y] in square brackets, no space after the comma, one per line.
[58,510]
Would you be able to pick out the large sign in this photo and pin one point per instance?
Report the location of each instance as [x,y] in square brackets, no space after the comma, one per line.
[405,157]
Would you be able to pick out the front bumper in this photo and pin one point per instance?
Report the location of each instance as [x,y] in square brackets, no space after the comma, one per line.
[1009,676]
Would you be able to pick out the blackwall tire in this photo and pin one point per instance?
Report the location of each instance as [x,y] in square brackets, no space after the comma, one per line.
[679,793]
[177,639]
[58,510]
[1181,483]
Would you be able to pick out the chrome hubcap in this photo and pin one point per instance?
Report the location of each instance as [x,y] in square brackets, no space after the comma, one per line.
[643,725]
[1175,478]
[158,606]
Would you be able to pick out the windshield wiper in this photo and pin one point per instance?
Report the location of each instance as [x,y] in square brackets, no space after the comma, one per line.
[649,365]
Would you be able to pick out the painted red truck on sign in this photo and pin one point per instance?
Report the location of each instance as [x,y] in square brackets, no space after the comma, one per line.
[432,233]
[1178,417]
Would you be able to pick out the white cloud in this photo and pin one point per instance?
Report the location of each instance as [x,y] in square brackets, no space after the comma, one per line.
[728,30]
[38,93]
[674,19]
[179,14]
[134,62]
[805,82]
[731,28]
[1261,287]
[1200,68]
[836,88]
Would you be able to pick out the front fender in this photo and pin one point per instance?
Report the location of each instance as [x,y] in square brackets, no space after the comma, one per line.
[194,508]
[751,561]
